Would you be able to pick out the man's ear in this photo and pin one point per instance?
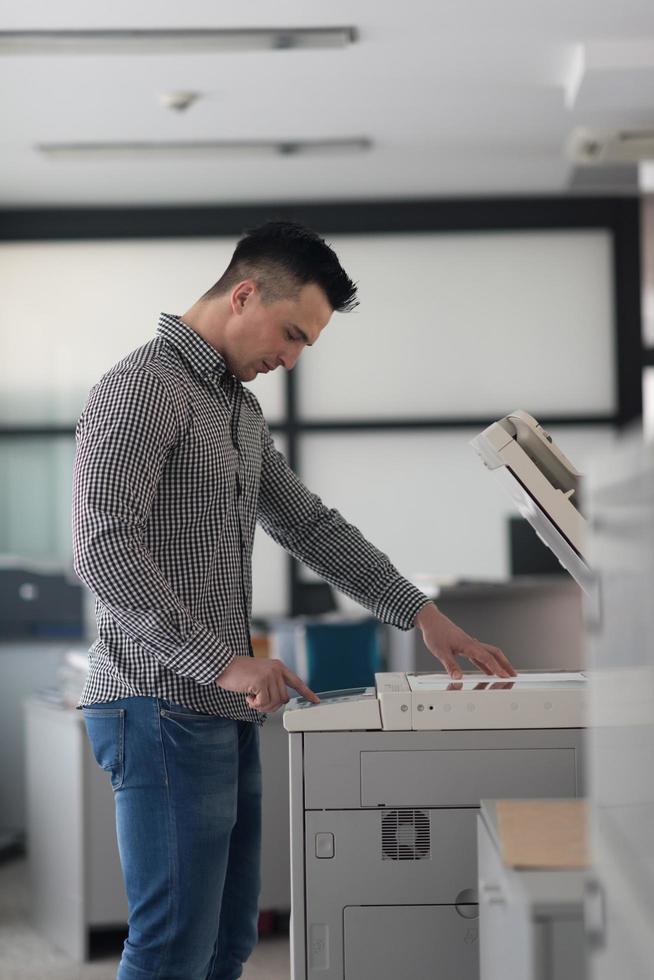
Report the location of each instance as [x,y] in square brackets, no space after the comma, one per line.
[240,295]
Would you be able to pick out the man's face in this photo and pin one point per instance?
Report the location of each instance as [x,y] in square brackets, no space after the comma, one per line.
[261,338]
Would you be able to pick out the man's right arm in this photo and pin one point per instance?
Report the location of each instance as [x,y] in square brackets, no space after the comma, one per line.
[124,437]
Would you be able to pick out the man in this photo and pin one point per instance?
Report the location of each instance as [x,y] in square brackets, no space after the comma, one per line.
[174,467]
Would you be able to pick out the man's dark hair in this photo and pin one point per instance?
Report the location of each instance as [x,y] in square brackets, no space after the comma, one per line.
[283,256]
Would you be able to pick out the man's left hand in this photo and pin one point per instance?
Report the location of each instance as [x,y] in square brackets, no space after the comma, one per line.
[446,641]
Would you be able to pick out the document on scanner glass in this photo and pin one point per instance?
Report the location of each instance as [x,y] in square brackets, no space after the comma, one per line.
[437,682]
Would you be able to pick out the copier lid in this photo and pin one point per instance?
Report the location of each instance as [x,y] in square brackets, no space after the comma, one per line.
[542,483]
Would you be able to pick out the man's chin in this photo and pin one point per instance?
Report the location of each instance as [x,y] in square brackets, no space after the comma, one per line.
[244,373]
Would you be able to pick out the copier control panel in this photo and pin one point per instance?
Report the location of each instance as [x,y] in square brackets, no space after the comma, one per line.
[352,709]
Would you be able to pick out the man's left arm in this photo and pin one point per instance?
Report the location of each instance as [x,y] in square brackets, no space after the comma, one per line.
[321,538]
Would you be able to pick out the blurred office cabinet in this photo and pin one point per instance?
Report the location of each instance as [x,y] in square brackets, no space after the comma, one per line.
[341,654]
[536,620]
[41,608]
[24,666]
[620,625]
[312,598]
[528,555]
[39,604]
[75,876]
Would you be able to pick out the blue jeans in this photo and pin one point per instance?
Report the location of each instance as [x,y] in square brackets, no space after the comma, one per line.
[187,789]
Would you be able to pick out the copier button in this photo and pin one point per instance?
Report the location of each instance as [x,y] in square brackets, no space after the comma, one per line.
[324,845]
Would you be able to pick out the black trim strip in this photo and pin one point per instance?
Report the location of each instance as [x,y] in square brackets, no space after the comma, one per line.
[292,431]
[36,431]
[410,425]
[627,313]
[343,217]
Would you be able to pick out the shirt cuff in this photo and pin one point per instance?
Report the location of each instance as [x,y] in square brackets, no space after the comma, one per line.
[400,603]
[202,657]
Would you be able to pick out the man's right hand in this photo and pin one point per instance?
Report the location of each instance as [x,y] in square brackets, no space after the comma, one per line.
[264,682]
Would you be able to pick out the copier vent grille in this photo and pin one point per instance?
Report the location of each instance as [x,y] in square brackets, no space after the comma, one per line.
[405,835]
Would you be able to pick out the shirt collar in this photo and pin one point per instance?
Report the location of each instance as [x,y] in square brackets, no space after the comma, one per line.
[203,358]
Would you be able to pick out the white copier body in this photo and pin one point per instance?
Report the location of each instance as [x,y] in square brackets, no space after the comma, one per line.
[385,782]
[385,787]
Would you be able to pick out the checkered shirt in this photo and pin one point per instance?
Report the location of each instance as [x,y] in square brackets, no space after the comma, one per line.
[173,468]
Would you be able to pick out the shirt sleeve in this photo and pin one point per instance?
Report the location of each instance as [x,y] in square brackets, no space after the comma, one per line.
[321,538]
[124,437]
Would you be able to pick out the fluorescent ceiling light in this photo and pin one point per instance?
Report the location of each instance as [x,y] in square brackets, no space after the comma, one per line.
[200,148]
[575,75]
[173,41]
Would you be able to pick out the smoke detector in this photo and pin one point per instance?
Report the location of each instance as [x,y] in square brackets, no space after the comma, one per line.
[178,101]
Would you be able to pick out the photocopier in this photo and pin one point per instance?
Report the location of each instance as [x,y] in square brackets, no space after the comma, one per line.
[385,782]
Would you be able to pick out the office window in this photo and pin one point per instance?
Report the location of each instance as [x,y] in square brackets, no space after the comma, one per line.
[35,477]
[70,310]
[475,324]
[269,569]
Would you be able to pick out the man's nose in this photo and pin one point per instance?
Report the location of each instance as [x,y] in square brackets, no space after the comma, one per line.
[288,359]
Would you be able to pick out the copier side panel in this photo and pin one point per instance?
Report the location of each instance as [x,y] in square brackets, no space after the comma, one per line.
[377,860]
[298,877]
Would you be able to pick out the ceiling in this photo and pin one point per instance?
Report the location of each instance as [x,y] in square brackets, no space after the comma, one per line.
[457,98]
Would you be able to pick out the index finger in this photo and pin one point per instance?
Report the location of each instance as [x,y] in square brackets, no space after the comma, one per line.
[501,658]
[292,680]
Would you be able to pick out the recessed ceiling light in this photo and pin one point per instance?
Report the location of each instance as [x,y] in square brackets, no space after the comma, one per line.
[173,41]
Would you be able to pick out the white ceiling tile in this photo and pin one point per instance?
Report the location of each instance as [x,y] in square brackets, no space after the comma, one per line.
[456,99]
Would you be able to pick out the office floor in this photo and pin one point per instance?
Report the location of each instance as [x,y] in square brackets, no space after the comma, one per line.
[24,955]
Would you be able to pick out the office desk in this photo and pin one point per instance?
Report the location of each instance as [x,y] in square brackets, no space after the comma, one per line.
[530,922]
